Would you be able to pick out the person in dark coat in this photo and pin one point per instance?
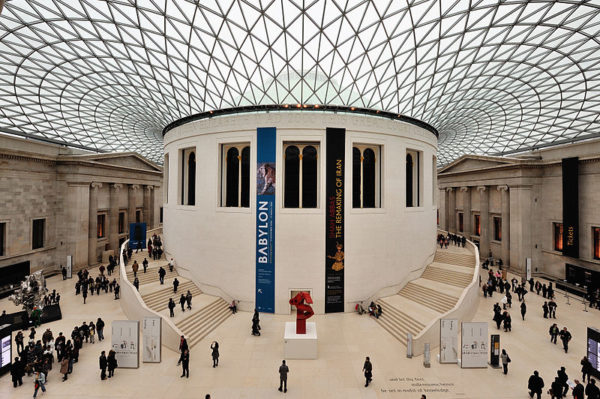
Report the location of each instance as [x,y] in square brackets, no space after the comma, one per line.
[563,378]
[523,309]
[556,388]
[161,274]
[553,333]
[171,307]
[535,385]
[145,264]
[100,329]
[565,337]
[283,372]
[103,365]
[586,369]
[591,390]
[215,353]
[368,370]
[188,298]
[111,361]
[184,359]
[546,309]
[136,283]
[578,391]
[17,371]
[182,302]
[175,285]
[183,345]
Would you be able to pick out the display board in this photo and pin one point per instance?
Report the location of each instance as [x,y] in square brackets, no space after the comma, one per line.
[151,333]
[474,348]
[570,206]
[137,235]
[334,219]
[593,350]
[265,219]
[6,348]
[69,266]
[495,350]
[448,341]
[125,342]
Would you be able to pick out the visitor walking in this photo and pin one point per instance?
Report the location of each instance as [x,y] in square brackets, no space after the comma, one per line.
[505,360]
[171,307]
[586,369]
[535,385]
[553,333]
[565,337]
[215,353]
[103,365]
[283,373]
[175,285]
[100,329]
[39,381]
[184,359]
[112,364]
[523,309]
[368,370]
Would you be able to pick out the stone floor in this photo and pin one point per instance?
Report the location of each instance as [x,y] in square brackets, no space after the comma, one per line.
[248,365]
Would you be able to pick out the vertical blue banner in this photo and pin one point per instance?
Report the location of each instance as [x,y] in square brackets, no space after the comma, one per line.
[265,219]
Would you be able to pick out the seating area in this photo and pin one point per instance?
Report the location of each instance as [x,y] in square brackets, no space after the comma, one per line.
[430,296]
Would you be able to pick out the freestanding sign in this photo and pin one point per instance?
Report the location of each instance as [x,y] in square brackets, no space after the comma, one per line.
[265,219]
[528,268]
[495,350]
[69,266]
[137,235]
[5,348]
[125,342]
[334,220]
[151,332]
[448,341]
[474,344]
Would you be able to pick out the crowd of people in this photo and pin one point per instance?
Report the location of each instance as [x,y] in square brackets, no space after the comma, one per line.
[87,284]
[454,239]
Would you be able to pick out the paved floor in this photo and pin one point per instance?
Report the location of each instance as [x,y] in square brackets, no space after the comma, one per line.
[248,365]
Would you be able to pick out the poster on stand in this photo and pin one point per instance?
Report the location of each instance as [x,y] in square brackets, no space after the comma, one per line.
[474,340]
[151,332]
[448,341]
[125,342]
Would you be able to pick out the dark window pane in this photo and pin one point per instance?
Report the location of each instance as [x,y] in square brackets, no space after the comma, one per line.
[292,177]
[192,179]
[246,177]
[369,179]
[2,238]
[233,173]
[596,243]
[37,238]
[138,216]
[355,177]
[309,177]
[409,180]
[558,236]
[100,226]
[161,214]
[121,222]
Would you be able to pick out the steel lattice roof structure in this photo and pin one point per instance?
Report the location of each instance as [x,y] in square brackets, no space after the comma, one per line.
[493,77]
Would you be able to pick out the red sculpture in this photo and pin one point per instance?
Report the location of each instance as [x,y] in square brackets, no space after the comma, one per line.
[304,310]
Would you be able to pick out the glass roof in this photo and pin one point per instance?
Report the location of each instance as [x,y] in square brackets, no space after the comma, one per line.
[494,77]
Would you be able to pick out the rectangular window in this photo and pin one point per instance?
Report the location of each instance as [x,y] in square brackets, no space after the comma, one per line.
[37,236]
[497,228]
[366,176]
[138,216]
[477,225]
[161,215]
[101,226]
[558,236]
[301,175]
[414,178]
[121,222]
[187,172]
[2,239]
[235,176]
[166,179]
[596,234]
[461,226]
[434,188]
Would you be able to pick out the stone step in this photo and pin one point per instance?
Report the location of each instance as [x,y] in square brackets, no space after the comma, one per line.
[150,276]
[199,324]
[445,276]
[160,302]
[427,297]
[398,323]
[467,260]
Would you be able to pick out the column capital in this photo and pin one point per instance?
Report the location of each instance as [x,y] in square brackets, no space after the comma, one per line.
[502,188]
[449,189]
[134,186]
[464,189]
[149,187]
[117,186]
[96,185]
[481,188]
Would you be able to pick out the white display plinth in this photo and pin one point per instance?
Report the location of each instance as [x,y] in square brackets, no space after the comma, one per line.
[300,346]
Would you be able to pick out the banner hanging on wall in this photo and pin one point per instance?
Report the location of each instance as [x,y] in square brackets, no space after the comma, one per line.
[125,342]
[265,219]
[151,331]
[570,195]
[474,340]
[334,220]
[448,341]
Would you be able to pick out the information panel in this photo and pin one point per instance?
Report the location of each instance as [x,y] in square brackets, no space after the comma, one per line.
[593,349]
[125,342]
[6,348]
[448,341]
[265,219]
[151,333]
[474,339]
[334,220]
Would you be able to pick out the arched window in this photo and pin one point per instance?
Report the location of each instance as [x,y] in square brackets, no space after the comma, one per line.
[409,180]
[366,175]
[291,193]
[309,177]
[191,192]
[233,177]
[245,189]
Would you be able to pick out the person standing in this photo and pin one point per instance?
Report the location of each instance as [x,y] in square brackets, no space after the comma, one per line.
[39,381]
[553,333]
[565,337]
[103,365]
[171,307]
[145,264]
[175,285]
[171,265]
[586,369]
[64,366]
[16,372]
[100,329]
[578,391]
[184,359]
[92,328]
[112,364]
[505,360]
[19,341]
[183,345]
[556,388]
[546,309]
[591,390]
[63,271]
[215,353]
[368,371]
[562,379]
[188,298]
[535,385]
[136,283]
[552,309]
[523,310]
[135,267]
[161,275]
[283,373]
[117,289]
[84,291]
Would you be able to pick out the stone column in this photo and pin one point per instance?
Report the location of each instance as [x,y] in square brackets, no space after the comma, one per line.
[93,230]
[113,212]
[452,210]
[468,230]
[148,208]
[131,193]
[445,213]
[505,224]
[484,211]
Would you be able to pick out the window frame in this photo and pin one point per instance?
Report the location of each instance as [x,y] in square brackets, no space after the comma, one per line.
[224,148]
[121,222]
[3,238]
[43,242]
[596,242]
[301,145]
[378,194]
[477,224]
[557,239]
[461,222]
[417,200]
[99,229]
[497,231]
[184,176]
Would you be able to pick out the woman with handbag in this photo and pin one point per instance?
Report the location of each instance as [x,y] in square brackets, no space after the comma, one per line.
[505,360]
